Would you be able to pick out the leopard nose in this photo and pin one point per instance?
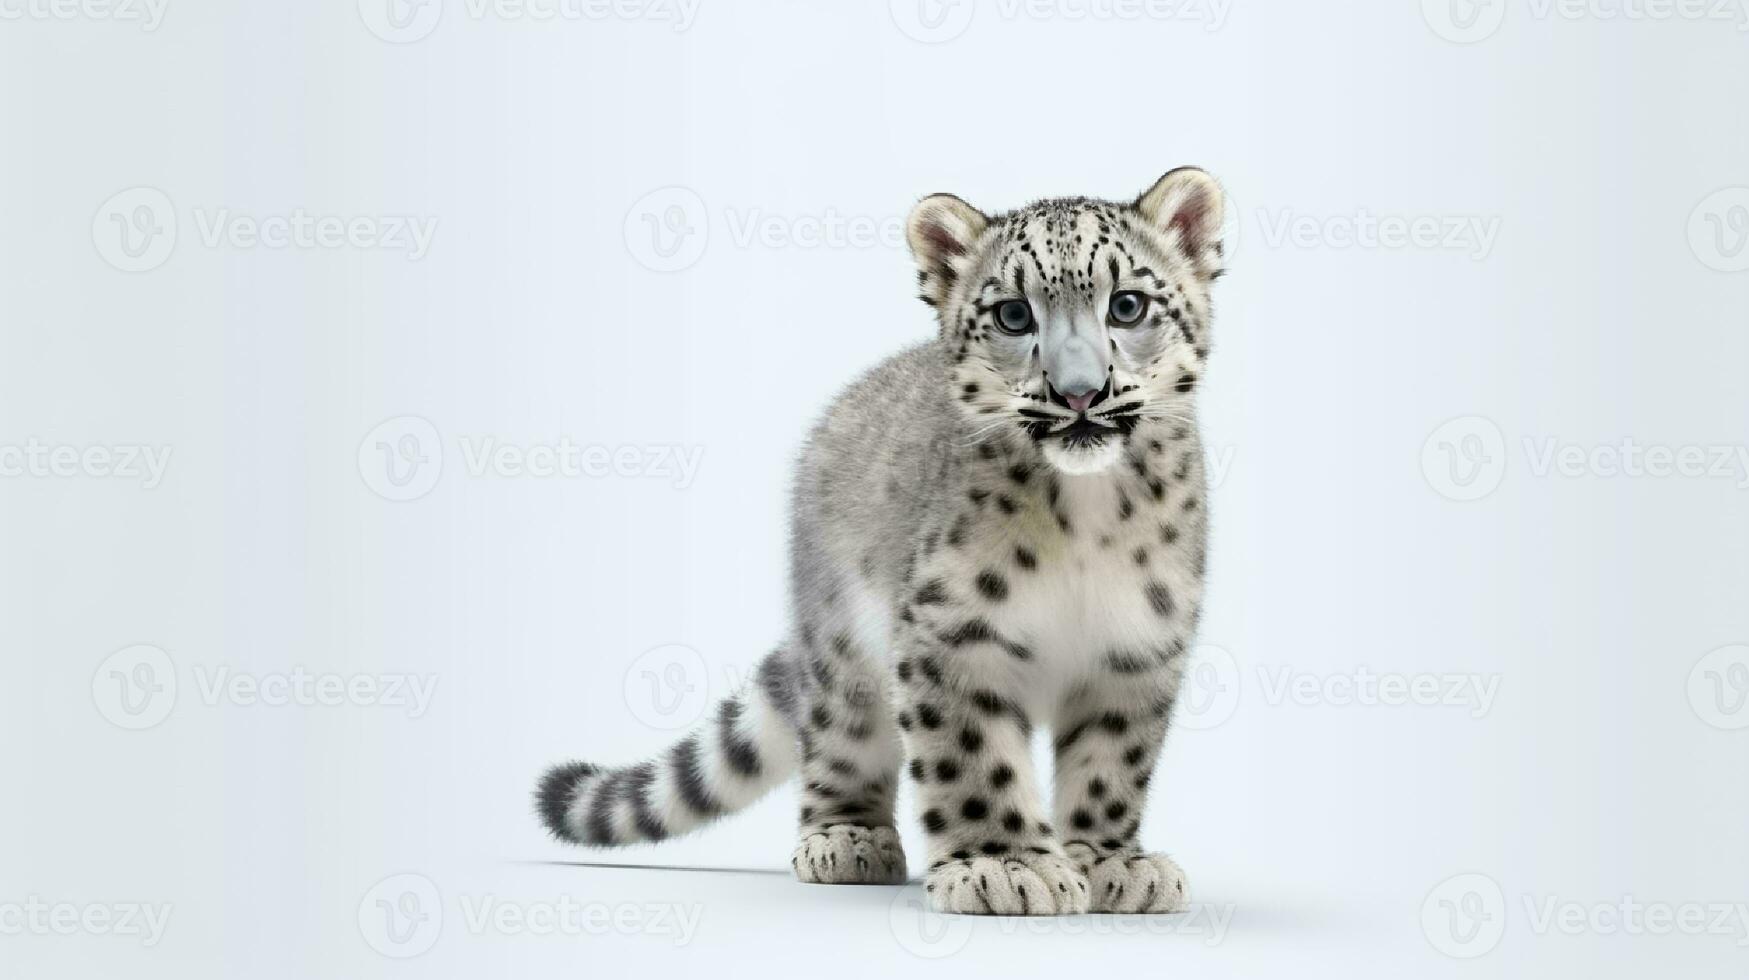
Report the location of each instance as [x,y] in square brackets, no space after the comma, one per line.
[1079,398]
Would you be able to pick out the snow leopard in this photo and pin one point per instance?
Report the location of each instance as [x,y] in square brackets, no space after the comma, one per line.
[995,535]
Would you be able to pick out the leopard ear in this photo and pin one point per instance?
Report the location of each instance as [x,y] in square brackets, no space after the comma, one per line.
[1189,204]
[942,231]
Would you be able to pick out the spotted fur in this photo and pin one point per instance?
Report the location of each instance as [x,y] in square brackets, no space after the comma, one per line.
[975,558]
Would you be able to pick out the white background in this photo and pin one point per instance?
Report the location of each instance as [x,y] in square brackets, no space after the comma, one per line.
[1607,152]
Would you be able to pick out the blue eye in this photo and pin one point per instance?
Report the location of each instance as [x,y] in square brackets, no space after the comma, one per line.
[1128,308]
[1014,317]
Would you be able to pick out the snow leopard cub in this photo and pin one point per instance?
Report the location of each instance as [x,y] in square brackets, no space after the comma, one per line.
[998,530]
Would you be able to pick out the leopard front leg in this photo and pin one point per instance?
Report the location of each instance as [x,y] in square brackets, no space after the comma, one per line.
[991,850]
[850,766]
[1109,740]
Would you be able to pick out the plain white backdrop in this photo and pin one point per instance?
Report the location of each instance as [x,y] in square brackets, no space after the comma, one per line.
[395,399]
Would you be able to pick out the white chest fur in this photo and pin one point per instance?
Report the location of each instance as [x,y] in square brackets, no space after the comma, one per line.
[1110,582]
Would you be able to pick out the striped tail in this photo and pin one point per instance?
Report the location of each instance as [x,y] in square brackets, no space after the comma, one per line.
[747,747]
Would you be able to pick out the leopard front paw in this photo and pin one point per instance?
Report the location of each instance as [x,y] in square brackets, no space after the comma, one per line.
[848,854]
[1132,882]
[1034,884]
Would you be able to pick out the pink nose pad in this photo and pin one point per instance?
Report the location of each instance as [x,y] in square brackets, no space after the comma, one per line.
[1080,402]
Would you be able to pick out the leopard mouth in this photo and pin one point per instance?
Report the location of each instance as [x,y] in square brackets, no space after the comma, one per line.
[1113,412]
[1084,433]
[1083,447]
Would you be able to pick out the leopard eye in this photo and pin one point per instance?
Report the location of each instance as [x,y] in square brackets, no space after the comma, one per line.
[1128,308]
[1014,317]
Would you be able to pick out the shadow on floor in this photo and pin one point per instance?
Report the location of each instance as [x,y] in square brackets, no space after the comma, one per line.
[784,872]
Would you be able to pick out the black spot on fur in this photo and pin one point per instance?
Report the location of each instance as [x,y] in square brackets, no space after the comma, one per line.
[992,585]
[989,702]
[1025,558]
[1159,598]
[933,592]
[930,669]
[968,632]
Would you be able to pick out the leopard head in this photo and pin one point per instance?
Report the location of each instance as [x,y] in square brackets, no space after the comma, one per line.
[1074,321]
